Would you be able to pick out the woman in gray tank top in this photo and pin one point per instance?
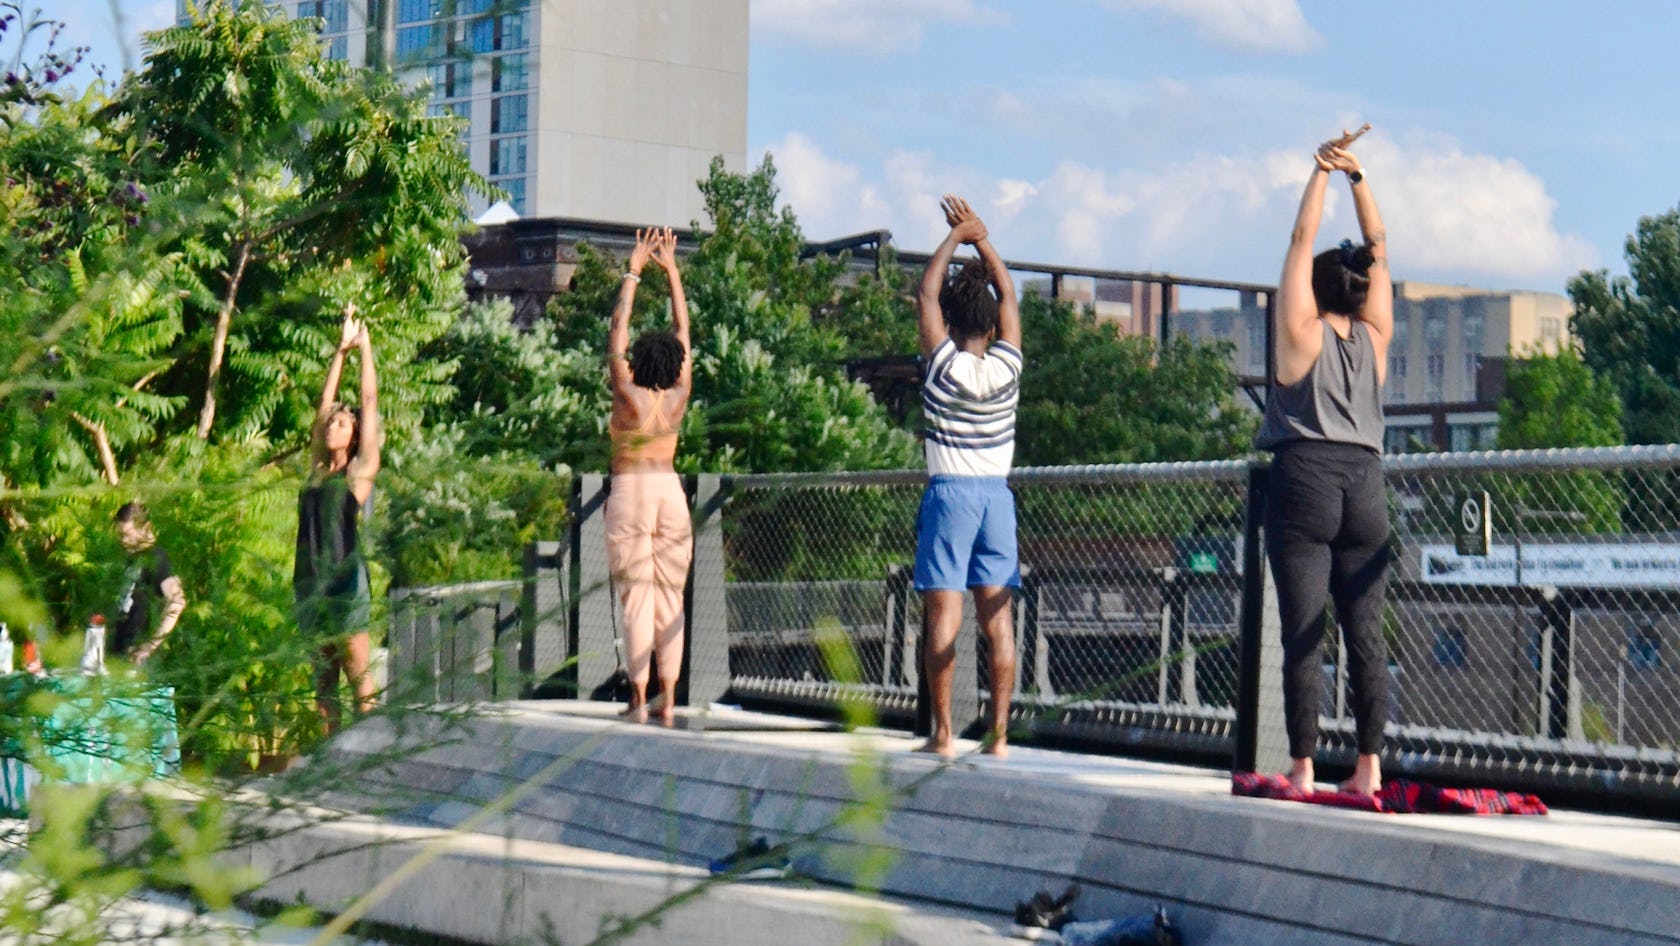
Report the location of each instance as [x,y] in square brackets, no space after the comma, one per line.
[1326,514]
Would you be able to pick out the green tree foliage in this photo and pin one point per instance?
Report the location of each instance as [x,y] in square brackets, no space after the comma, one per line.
[770,392]
[1629,329]
[293,185]
[1090,394]
[1556,400]
[210,218]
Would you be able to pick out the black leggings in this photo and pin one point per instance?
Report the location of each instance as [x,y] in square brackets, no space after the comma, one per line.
[1327,531]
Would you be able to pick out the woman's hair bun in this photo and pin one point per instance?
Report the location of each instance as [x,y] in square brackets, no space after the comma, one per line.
[1357,258]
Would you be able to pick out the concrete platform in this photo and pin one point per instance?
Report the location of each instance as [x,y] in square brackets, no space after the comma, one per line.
[557,787]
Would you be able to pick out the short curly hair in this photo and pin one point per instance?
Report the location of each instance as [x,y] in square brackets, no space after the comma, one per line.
[1341,278]
[656,360]
[967,302]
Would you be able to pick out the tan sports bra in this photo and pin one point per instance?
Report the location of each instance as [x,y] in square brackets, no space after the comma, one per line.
[652,443]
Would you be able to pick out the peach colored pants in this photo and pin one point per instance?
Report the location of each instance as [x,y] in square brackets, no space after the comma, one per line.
[650,541]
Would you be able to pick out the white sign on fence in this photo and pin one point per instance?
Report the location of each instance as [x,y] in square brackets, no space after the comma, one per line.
[1599,565]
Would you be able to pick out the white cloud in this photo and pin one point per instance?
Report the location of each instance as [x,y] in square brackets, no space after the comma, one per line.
[1451,216]
[829,195]
[869,26]
[1249,25]
[1450,210]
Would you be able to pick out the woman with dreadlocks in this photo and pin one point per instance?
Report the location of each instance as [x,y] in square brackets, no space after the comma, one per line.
[1326,515]
[965,531]
[649,535]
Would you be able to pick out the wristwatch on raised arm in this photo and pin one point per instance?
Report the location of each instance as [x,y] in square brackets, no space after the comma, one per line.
[1354,177]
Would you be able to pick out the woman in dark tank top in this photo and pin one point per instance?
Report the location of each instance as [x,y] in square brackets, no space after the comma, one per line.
[329,575]
[1326,513]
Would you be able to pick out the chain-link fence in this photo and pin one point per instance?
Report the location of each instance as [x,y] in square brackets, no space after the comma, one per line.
[1552,653]
[1548,660]
[1126,621]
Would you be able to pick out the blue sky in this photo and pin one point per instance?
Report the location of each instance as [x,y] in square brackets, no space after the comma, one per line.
[1515,142]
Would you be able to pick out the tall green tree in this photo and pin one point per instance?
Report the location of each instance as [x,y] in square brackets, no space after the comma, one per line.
[1629,329]
[770,391]
[293,185]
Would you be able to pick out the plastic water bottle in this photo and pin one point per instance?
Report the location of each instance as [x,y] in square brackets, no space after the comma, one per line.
[93,647]
[5,648]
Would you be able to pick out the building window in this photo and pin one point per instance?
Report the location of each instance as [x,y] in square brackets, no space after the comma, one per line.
[1256,340]
[1644,648]
[1475,324]
[334,14]
[1472,370]
[1551,330]
[1435,324]
[515,187]
[481,35]
[417,42]
[1414,438]
[507,155]
[509,113]
[509,73]
[338,48]
[1450,647]
[1466,437]
[418,11]
[510,31]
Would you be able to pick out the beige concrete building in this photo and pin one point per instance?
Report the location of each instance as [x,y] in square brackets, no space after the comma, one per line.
[605,110]
[1446,364]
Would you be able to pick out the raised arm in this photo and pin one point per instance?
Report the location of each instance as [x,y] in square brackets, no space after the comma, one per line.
[930,320]
[347,334]
[966,224]
[618,336]
[366,464]
[665,254]
[1378,311]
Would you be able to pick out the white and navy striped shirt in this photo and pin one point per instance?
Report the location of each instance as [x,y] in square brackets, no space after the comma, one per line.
[969,404]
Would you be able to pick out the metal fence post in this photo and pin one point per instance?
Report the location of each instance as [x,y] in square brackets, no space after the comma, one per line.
[1034,650]
[706,657]
[544,631]
[593,639]
[1260,724]
[1560,708]
[898,651]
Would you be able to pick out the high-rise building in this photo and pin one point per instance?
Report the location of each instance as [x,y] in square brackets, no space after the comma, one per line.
[605,110]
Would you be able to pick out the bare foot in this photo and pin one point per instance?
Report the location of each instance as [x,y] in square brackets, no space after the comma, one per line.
[997,747]
[940,747]
[1366,779]
[635,714]
[1301,775]
[667,717]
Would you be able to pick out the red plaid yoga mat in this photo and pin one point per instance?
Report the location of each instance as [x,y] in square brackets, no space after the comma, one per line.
[1399,796]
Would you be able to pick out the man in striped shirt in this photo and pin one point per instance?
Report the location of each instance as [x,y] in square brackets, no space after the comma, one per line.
[965,531]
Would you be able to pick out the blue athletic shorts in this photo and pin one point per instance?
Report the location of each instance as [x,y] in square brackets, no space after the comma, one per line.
[965,534]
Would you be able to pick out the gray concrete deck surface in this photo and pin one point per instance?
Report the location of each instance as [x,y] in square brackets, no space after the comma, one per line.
[607,818]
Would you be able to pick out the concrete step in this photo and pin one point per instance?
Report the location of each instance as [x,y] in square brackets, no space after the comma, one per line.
[481,888]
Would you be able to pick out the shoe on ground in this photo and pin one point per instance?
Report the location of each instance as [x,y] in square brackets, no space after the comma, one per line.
[1042,917]
[755,861]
